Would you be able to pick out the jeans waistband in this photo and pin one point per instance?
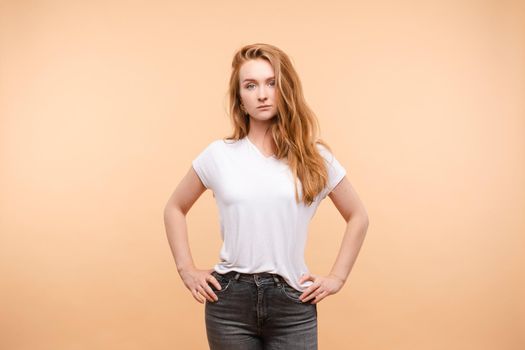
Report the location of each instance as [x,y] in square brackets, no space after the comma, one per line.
[255,278]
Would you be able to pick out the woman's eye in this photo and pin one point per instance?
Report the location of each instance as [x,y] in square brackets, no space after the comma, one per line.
[272,83]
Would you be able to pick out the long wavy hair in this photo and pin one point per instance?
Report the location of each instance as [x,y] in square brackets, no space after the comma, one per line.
[295,127]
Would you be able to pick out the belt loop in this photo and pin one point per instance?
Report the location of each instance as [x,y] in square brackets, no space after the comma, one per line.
[277,281]
[237,276]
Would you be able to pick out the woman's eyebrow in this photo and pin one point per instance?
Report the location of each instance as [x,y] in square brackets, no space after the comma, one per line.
[249,79]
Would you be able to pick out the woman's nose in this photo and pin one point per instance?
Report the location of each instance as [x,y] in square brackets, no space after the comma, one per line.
[262,95]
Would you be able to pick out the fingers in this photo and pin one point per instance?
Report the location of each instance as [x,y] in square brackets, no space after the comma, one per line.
[215,282]
[314,293]
[196,296]
[203,293]
[306,277]
[207,292]
[320,297]
[200,295]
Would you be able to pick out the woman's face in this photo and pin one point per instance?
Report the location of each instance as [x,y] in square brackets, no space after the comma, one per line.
[257,88]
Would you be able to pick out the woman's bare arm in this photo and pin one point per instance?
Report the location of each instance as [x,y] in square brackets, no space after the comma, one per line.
[352,209]
[181,200]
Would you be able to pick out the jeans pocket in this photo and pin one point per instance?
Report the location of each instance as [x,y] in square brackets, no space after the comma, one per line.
[225,282]
[291,293]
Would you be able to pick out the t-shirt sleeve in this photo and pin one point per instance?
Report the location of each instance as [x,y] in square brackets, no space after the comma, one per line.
[335,170]
[204,166]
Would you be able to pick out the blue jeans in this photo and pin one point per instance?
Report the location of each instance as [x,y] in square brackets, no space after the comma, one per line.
[259,311]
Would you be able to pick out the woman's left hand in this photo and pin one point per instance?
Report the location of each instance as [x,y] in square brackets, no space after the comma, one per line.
[322,287]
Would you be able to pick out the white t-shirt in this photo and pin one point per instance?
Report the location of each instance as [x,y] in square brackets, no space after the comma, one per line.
[262,227]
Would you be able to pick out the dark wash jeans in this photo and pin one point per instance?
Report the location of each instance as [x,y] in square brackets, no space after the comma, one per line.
[259,311]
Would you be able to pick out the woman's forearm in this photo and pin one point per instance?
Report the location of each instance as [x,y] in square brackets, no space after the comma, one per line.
[177,233]
[351,244]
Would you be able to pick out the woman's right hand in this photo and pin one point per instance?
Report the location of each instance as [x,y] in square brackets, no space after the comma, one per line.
[196,280]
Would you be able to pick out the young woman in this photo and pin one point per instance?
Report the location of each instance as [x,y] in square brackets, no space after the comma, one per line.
[268,179]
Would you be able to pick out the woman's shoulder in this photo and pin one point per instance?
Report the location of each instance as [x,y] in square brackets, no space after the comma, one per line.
[220,144]
[323,149]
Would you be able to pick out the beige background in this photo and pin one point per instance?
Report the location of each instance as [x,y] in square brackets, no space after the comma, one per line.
[103,105]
